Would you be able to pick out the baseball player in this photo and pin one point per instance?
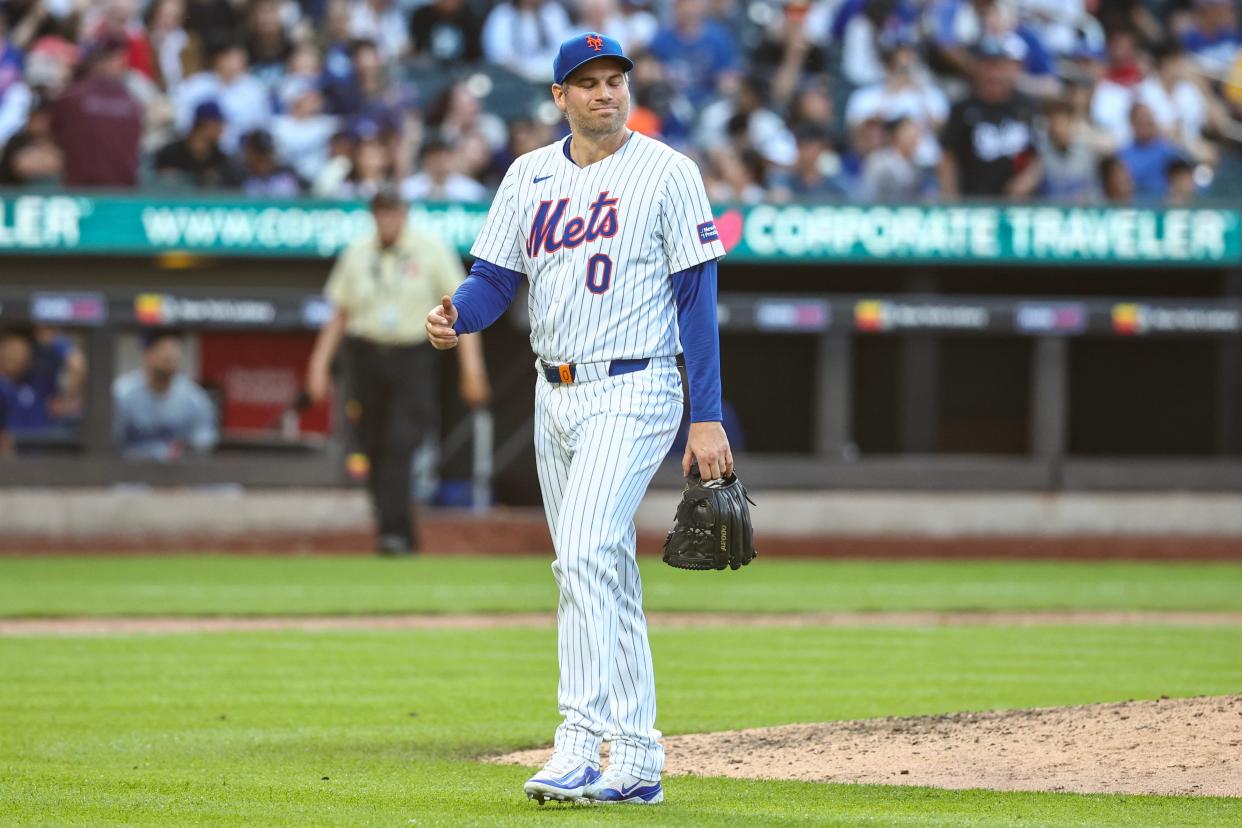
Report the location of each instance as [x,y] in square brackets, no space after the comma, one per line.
[614,233]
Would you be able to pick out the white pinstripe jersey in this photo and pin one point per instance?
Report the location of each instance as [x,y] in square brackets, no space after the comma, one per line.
[598,245]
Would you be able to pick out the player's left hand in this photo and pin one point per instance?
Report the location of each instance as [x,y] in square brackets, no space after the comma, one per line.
[708,445]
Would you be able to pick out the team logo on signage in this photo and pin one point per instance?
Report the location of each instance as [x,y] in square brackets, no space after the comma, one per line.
[69,308]
[1050,317]
[159,309]
[871,315]
[149,309]
[878,315]
[1131,318]
[1128,319]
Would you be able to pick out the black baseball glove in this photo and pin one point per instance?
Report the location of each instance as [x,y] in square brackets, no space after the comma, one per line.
[712,529]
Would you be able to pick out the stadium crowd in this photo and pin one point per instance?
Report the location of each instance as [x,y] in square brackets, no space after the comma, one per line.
[1083,101]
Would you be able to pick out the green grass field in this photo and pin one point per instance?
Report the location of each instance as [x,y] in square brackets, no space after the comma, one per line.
[243,728]
[215,585]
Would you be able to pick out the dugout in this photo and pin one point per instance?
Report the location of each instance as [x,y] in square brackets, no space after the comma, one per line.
[866,359]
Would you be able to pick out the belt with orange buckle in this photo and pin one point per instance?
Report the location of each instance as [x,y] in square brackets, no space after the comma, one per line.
[567,373]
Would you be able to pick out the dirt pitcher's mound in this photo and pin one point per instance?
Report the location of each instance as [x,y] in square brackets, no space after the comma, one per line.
[1178,746]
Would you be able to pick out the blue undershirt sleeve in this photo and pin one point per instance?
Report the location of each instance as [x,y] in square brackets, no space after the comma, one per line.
[694,292]
[484,296]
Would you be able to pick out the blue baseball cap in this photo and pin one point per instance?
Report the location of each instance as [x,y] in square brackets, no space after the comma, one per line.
[584,48]
[208,111]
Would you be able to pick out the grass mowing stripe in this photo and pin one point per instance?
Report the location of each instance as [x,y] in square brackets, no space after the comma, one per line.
[239,728]
[248,585]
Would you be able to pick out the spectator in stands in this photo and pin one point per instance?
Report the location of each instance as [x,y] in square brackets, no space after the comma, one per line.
[864,138]
[32,156]
[905,93]
[631,24]
[1055,23]
[1213,38]
[330,179]
[474,158]
[98,123]
[957,27]
[739,174]
[987,149]
[1125,58]
[790,52]
[699,55]
[523,36]
[196,159]
[119,19]
[1115,79]
[380,288]
[458,113]
[242,98]
[303,133]
[438,180]
[213,22]
[335,42]
[954,28]
[816,174]
[1182,190]
[370,168]
[863,26]
[1069,162]
[446,32]
[51,64]
[658,107]
[525,135]
[1178,101]
[1116,182]
[893,174]
[158,413]
[1110,15]
[27,21]
[267,45]
[756,126]
[813,104]
[174,55]
[16,98]
[259,173]
[1148,156]
[366,94]
[303,68]
[381,22]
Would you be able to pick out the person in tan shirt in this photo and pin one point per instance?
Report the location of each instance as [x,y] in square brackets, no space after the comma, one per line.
[380,288]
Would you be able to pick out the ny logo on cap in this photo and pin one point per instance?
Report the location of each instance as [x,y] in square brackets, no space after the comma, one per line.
[595,42]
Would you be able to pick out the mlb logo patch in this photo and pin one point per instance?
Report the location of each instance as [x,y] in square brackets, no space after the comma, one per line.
[707,232]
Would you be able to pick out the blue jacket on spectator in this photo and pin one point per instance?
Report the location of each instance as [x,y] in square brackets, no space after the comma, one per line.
[1147,164]
[694,66]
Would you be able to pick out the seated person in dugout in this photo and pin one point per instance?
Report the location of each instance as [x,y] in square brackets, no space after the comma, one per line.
[159,413]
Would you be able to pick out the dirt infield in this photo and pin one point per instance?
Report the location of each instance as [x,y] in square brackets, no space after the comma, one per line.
[122,625]
[1167,746]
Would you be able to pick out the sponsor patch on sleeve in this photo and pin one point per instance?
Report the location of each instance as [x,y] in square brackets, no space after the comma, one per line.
[707,232]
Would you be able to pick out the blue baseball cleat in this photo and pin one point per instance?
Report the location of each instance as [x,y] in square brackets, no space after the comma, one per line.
[563,779]
[618,787]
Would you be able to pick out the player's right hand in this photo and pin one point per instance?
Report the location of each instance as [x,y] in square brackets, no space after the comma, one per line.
[440,321]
